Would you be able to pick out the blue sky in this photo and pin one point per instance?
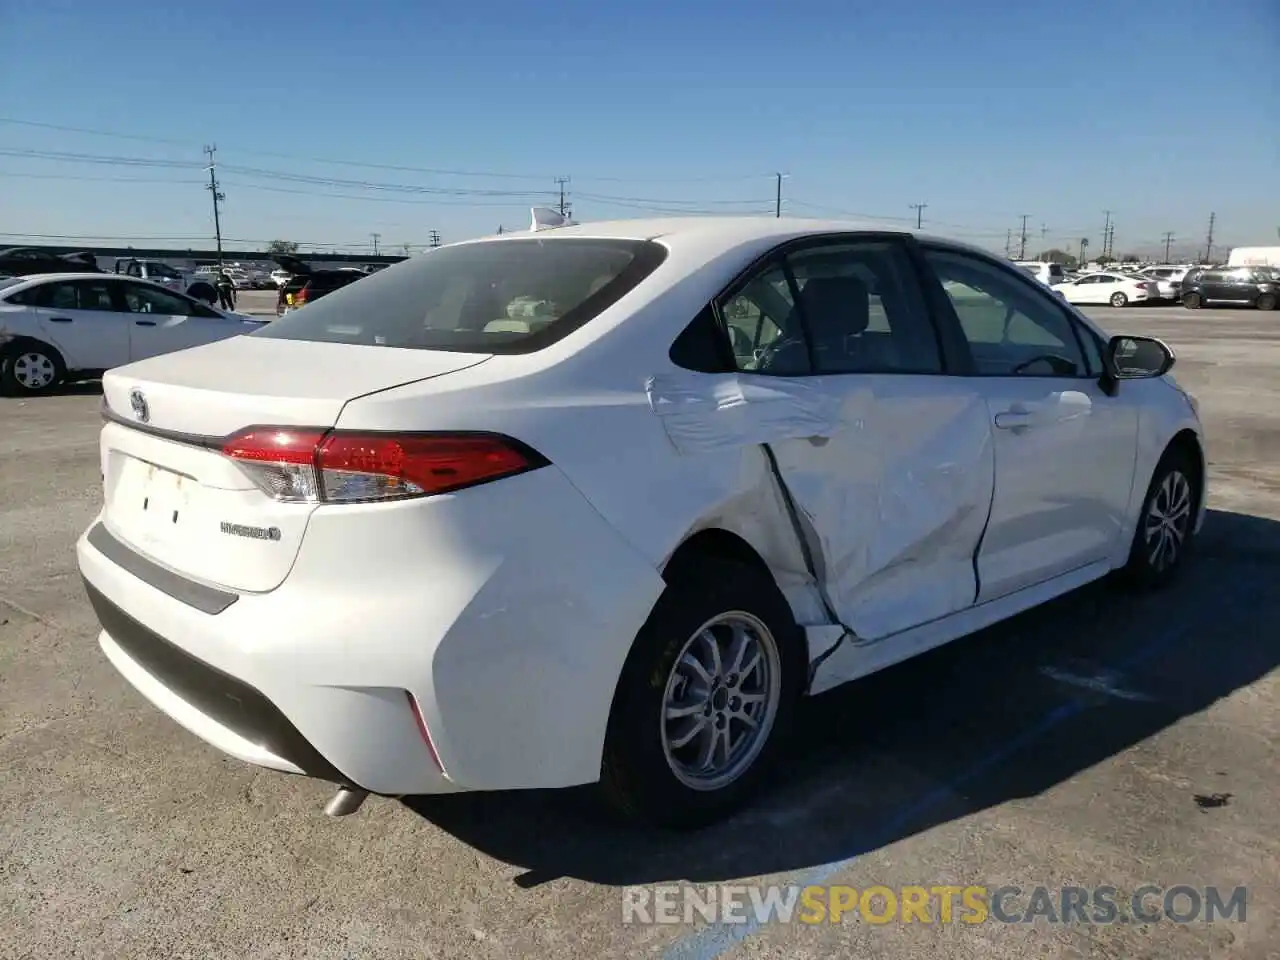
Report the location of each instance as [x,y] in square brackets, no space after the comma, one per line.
[985,110]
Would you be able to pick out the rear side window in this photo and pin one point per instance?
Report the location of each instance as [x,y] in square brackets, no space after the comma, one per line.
[497,296]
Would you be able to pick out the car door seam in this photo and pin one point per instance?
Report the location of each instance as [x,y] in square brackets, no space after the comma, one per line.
[806,551]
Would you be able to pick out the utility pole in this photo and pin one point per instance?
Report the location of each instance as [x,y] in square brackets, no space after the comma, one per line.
[919,209]
[435,239]
[1106,232]
[564,204]
[218,197]
[1008,243]
[1208,244]
[1168,241]
[376,238]
[1022,245]
[777,197]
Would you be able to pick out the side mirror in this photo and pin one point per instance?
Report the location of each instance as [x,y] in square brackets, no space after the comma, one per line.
[1135,358]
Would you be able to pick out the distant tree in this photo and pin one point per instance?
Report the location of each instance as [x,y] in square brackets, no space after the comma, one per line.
[1104,259]
[1057,256]
[282,246]
[1130,258]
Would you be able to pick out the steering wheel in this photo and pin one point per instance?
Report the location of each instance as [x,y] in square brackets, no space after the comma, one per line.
[1062,367]
[769,354]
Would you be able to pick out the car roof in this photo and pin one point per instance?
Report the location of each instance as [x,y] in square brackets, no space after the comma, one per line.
[725,232]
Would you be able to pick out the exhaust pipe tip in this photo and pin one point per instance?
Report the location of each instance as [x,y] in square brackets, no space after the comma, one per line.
[346,802]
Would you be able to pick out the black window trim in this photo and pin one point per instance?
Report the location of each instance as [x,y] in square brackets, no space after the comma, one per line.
[951,318]
[776,257]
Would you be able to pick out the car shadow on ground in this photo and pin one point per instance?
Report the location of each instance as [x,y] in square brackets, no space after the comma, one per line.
[976,723]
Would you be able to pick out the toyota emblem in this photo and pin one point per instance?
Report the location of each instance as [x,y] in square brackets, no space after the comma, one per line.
[139,404]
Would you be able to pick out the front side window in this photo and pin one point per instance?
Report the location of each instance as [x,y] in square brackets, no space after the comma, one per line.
[1013,329]
[496,296]
[144,299]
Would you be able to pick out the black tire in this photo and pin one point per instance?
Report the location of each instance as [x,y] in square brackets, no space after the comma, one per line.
[1119,300]
[1147,568]
[636,776]
[1267,301]
[29,368]
[1191,301]
[203,291]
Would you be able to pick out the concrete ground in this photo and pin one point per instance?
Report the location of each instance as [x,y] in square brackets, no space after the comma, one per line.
[1102,740]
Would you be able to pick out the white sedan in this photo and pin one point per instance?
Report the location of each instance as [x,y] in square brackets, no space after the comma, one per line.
[1117,289]
[73,326]
[602,503]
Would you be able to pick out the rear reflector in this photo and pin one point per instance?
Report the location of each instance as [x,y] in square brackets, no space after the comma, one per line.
[337,466]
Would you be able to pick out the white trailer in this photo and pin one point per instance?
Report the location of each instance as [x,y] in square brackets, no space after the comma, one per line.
[1254,257]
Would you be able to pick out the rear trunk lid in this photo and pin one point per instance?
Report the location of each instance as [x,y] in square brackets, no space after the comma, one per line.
[171,494]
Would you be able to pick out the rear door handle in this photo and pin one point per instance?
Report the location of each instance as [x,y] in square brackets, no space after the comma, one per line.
[144,323]
[61,320]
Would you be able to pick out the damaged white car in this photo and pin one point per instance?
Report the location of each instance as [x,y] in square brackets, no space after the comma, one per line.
[602,502]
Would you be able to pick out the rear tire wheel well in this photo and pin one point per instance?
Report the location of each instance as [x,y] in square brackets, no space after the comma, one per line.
[711,545]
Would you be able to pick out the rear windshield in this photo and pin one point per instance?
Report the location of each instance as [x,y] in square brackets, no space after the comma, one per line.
[502,296]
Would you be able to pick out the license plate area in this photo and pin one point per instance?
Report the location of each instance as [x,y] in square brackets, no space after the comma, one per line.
[153,504]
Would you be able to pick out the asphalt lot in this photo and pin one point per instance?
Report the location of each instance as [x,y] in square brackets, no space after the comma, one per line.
[1101,740]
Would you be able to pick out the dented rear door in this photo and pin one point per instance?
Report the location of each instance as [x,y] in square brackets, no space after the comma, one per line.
[896,497]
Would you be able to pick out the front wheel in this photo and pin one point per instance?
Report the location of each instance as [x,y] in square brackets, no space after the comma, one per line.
[1267,301]
[1191,301]
[1119,299]
[29,369]
[706,698]
[1165,526]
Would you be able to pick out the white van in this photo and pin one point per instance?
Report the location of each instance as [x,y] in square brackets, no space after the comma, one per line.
[1254,257]
[1050,274]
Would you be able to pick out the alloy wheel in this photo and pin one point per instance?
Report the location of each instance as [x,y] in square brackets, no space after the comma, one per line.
[721,699]
[1167,521]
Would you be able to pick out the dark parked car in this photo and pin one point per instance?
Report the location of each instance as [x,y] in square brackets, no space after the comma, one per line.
[25,261]
[307,284]
[1235,286]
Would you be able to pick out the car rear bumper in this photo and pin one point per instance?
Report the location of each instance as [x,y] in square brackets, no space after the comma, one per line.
[506,625]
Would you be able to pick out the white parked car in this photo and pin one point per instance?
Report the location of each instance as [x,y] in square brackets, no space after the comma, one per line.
[1050,274]
[72,326]
[1117,289]
[604,502]
[280,277]
[1168,279]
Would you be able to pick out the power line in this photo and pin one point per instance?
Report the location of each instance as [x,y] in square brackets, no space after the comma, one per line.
[376,238]
[1208,246]
[1022,244]
[435,171]
[1168,241]
[1106,232]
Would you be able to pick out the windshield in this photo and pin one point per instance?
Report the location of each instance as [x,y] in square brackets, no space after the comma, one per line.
[162,271]
[506,296]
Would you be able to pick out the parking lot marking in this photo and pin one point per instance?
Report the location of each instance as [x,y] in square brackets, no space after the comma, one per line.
[715,940]
[1103,682]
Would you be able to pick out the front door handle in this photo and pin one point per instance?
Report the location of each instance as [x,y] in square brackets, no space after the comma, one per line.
[1014,420]
[61,320]
[144,323]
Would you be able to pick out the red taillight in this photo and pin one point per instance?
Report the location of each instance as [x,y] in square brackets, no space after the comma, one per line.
[350,467]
